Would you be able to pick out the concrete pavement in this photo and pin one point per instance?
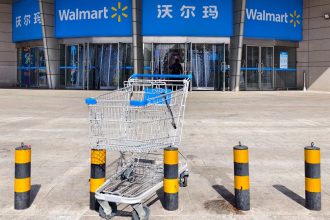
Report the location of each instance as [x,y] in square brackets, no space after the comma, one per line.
[275,125]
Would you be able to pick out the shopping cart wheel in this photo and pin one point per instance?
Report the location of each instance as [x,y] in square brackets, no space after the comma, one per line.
[113,207]
[184,179]
[140,212]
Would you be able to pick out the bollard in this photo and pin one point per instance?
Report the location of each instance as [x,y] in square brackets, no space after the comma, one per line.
[313,177]
[22,185]
[97,178]
[171,181]
[242,181]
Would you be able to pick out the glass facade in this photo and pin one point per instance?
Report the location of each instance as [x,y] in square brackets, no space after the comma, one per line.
[210,66]
[285,78]
[95,66]
[108,66]
[268,68]
[208,63]
[31,67]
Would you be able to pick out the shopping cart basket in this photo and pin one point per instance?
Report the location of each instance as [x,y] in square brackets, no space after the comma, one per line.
[138,121]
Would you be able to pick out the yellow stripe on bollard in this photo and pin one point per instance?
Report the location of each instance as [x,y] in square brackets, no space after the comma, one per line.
[171,186]
[241,156]
[23,156]
[313,156]
[242,182]
[95,184]
[98,157]
[313,185]
[22,185]
[171,157]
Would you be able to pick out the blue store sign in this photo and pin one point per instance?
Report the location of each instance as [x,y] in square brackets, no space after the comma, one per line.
[26,22]
[97,18]
[187,18]
[279,20]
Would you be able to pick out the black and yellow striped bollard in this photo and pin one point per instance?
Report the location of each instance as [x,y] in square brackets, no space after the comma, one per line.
[97,178]
[313,177]
[22,185]
[171,181]
[242,180]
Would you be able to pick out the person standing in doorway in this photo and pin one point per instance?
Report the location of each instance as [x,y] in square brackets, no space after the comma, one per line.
[176,67]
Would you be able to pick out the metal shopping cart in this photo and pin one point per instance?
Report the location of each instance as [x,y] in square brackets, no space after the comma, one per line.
[138,121]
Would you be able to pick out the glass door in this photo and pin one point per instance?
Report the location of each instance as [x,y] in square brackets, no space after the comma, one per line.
[72,70]
[267,68]
[107,65]
[41,67]
[76,66]
[252,68]
[32,67]
[96,66]
[201,75]
[170,58]
[83,67]
[257,68]
[26,67]
[93,67]
[209,66]
[148,58]
[125,63]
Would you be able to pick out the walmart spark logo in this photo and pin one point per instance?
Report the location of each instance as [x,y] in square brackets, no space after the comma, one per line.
[119,12]
[295,18]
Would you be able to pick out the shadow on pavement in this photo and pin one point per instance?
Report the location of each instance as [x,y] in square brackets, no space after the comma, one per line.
[289,193]
[34,192]
[160,197]
[225,193]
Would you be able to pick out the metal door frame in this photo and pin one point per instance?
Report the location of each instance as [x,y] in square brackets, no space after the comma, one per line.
[259,66]
[262,67]
[101,61]
[66,65]
[119,63]
[222,67]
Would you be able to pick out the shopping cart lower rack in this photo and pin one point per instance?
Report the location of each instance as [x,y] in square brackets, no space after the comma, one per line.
[138,121]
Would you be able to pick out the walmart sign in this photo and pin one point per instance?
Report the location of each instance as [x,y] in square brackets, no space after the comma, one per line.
[279,20]
[187,18]
[97,18]
[26,20]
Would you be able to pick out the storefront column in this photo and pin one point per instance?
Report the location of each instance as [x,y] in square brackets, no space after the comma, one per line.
[50,42]
[237,43]
[137,38]
[8,53]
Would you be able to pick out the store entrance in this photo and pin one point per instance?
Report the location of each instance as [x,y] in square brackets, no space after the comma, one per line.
[31,68]
[258,68]
[208,63]
[96,66]
[166,55]
[268,68]
[210,66]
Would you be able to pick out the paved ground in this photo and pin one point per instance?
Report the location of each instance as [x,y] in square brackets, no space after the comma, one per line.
[276,126]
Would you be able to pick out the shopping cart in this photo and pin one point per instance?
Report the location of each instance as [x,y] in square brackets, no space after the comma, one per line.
[138,121]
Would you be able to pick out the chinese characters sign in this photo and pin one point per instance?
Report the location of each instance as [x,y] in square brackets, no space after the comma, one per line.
[280,19]
[26,20]
[187,18]
[97,18]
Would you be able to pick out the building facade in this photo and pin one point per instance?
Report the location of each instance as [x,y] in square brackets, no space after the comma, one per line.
[247,44]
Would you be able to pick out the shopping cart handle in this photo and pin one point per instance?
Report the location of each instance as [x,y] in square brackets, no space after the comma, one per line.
[162,76]
[91,101]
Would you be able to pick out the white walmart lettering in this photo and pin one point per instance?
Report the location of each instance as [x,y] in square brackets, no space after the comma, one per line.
[69,15]
[254,14]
